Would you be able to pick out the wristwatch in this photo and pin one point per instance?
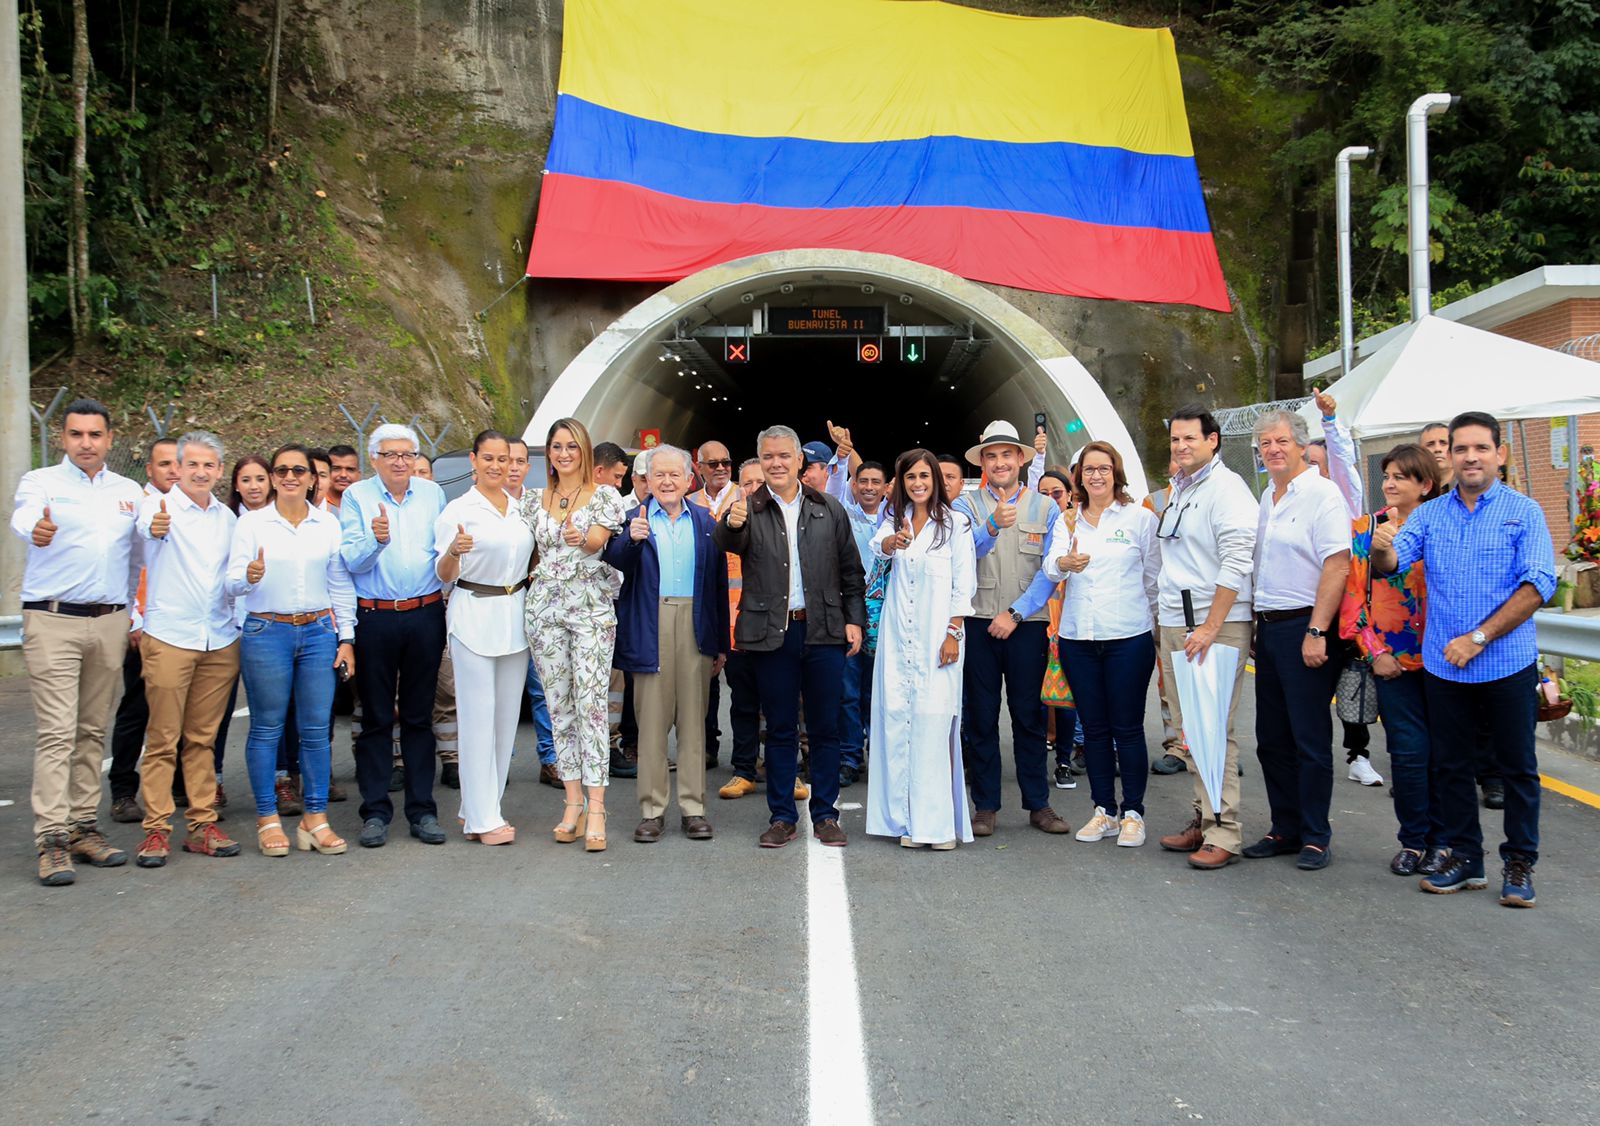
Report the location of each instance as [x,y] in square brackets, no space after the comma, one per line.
[956,632]
[1479,639]
[1015,617]
[1313,631]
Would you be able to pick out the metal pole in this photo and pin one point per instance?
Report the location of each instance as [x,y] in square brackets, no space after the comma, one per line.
[15,447]
[213,297]
[1572,471]
[1341,166]
[1429,105]
[311,306]
[44,423]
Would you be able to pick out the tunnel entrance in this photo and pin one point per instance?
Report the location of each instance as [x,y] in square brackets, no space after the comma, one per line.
[952,357]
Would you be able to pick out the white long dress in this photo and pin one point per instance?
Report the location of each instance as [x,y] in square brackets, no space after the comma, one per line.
[915,788]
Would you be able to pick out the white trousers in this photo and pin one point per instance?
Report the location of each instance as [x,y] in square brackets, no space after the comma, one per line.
[488,704]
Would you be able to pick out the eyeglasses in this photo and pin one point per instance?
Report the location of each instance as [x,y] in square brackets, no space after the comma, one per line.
[1097,470]
[283,471]
[397,455]
[718,463]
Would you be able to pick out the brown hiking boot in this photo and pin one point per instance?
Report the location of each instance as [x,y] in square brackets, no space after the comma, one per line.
[288,799]
[154,851]
[335,792]
[829,833]
[126,811]
[222,797]
[983,822]
[1187,839]
[778,834]
[1047,820]
[549,776]
[1210,856]
[89,845]
[208,840]
[55,860]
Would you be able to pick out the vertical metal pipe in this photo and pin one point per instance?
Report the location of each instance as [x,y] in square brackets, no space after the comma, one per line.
[1347,343]
[1572,471]
[15,446]
[311,306]
[1429,105]
[213,297]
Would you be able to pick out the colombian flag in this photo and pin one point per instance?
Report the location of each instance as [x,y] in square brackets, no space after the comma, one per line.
[1045,154]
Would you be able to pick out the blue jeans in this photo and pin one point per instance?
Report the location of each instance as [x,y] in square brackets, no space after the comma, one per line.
[856,705]
[1067,732]
[1458,714]
[543,733]
[783,675]
[1017,664]
[1110,680]
[276,659]
[1403,705]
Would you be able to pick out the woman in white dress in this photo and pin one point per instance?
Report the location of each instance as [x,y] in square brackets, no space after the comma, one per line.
[915,790]
[485,549]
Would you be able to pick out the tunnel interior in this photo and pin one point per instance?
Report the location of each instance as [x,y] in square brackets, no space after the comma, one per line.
[943,373]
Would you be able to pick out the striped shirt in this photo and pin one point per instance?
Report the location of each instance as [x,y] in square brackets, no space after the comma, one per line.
[1475,560]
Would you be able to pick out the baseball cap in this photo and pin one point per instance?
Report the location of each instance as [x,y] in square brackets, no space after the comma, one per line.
[817,451]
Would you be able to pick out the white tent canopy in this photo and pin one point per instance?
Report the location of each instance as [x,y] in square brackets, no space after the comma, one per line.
[1434,369]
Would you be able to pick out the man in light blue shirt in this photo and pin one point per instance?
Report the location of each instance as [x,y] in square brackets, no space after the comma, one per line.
[859,486]
[1489,564]
[388,546]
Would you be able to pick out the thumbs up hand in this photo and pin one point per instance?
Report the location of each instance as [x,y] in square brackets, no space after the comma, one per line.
[161,523]
[257,569]
[902,537]
[45,530]
[739,513]
[570,535]
[1383,534]
[1326,404]
[841,438]
[1005,514]
[639,527]
[462,543]
[380,524]
[1041,442]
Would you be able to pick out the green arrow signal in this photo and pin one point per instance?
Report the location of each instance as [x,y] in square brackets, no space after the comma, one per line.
[913,355]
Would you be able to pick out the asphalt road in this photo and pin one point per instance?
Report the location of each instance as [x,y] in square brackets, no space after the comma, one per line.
[1023,979]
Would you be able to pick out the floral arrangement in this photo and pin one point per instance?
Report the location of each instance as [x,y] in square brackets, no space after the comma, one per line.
[1585,545]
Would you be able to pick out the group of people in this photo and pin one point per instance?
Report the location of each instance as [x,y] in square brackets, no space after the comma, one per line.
[850,608]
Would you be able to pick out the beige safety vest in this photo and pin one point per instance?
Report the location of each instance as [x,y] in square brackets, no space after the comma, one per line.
[1018,554]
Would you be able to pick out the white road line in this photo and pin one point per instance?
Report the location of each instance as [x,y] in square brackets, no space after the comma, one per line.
[836,1081]
[105,765]
[241,712]
[6,802]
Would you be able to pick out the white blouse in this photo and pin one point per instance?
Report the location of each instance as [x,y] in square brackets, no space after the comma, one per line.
[1115,595]
[305,571]
[502,547]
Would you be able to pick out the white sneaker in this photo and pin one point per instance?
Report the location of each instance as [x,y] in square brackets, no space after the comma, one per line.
[1361,771]
[1100,826]
[1132,833]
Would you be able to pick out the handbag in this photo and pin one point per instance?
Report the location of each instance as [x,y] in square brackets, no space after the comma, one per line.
[1358,693]
[1055,692]
[877,589]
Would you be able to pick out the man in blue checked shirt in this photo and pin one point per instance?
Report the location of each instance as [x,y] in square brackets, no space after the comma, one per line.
[1006,638]
[388,545]
[1489,563]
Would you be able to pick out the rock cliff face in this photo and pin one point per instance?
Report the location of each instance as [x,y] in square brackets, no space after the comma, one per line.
[429,120]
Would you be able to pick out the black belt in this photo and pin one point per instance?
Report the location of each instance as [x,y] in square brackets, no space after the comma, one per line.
[483,590]
[77,609]
[1282,615]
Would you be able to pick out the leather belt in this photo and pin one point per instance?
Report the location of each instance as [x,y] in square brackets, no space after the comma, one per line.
[797,615]
[483,590]
[77,609]
[400,604]
[1282,615]
[296,619]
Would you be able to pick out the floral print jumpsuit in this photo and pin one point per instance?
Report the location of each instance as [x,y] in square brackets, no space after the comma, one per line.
[571,619]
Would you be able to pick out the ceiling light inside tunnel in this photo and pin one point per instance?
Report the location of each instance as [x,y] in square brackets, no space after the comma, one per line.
[868,288]
[905,299]
[746,298]
[786,287]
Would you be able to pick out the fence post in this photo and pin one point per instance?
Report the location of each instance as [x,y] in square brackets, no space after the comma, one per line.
[44,424]
[432,443]
[311,306]
[213,297]
[162,425]
[361,431]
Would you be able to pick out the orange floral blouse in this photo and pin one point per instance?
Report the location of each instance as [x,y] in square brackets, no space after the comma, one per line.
[1392,620]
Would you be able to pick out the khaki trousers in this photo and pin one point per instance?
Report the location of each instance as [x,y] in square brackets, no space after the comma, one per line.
[446,729]
[674,697]
[74,671]
[187,690]
[1226,836]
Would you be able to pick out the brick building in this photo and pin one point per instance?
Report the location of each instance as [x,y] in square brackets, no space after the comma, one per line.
[1554,307]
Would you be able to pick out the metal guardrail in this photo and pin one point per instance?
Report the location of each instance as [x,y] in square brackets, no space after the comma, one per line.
[10,632]
[1568,635]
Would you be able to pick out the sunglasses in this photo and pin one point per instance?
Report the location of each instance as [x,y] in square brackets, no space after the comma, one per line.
[283,471]
[718,463]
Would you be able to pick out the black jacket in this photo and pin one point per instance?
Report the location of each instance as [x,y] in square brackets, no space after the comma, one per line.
[830,566]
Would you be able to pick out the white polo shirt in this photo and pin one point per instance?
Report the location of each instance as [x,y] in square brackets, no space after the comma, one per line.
[186,602]
[1293,539]
[94,557]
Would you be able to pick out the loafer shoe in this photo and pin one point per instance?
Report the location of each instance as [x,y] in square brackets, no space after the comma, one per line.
[697,828]
[397,778]
[1516,888]
[1314,858]
[983,822]
[1209,857]
[829,833]
[1168,764]
[649,830]
[1406,862]
[374,833]
[1270,845]
[778,834]
[428,830]
[1456,874]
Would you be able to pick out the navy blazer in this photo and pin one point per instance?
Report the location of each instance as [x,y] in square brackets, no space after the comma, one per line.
[638,646]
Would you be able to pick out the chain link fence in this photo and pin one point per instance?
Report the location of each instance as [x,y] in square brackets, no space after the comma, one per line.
[1238,438]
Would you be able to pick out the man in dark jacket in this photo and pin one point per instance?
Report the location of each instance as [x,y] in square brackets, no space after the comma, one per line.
[672,635]
[802,612]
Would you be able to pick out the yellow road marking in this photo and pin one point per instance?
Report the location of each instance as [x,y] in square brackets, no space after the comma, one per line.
[1568,790]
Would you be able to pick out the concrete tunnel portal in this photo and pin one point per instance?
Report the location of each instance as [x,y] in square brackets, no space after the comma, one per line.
[954,356]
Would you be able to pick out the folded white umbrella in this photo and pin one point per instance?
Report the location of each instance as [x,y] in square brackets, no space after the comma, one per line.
[1204,691]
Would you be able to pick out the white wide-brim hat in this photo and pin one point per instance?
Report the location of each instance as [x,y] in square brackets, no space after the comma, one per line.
[997,433]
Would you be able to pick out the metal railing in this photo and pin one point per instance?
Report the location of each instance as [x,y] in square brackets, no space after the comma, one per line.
[1564,634]
[10,632]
